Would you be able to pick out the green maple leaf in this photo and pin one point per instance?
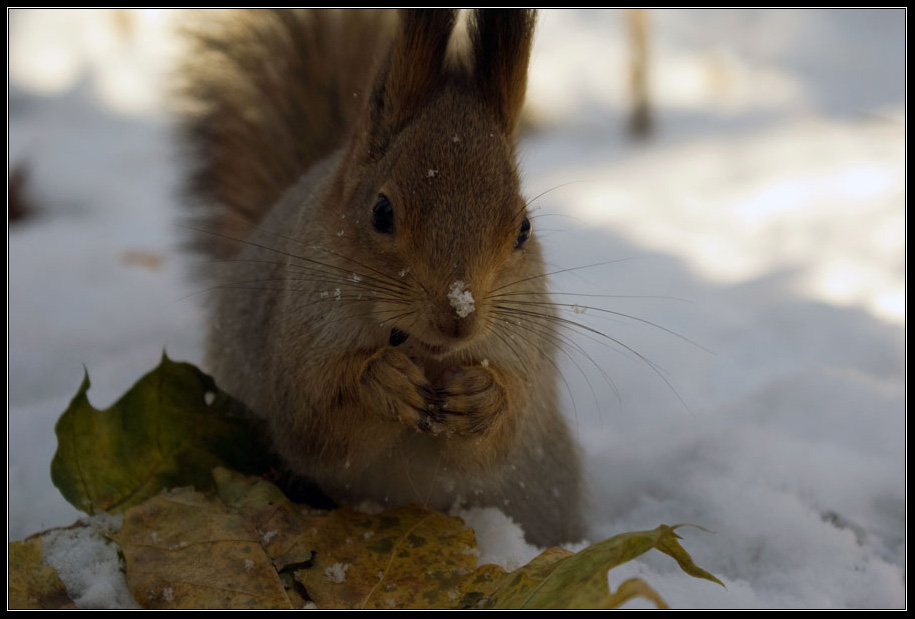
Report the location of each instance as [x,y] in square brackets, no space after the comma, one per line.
[170,429]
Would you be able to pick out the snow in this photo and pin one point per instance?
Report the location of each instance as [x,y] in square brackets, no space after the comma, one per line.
[763,220]
[461,299]
[499,539]
[336,573]
[88,563]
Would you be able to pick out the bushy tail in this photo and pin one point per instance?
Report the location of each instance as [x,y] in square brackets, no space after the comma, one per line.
[264,95]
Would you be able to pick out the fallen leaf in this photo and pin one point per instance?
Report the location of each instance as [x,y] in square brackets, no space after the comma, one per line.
[31,583]
[238,542]
[169,430]
[410,557]
[579,581]
[186,550]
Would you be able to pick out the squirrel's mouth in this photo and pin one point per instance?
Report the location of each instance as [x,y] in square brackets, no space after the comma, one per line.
[399,337]
[432,358]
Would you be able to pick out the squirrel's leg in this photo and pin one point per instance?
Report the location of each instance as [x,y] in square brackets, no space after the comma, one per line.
[357,405]
[478,412]
[394,387]
[369,399]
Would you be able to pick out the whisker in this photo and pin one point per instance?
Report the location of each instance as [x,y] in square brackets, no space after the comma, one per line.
[554,293]
[561,341]
[339,283]
[614,313]
[568,270]
[350,259]
[571,324]
[552,189]
[291,255]
[369,314]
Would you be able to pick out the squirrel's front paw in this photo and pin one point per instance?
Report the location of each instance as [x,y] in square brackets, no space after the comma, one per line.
[399,388]
[470,400]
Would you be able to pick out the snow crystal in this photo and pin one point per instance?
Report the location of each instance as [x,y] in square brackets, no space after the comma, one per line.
[269,535]
[309,605]
[249,565]
[340,233]
[337,294]
[485,363]
[209,397]
[455,139]
[431,173]
[499,539]
[88,565]
[368,535]
[337,572]
[403,272]
[461,299]
[168,594]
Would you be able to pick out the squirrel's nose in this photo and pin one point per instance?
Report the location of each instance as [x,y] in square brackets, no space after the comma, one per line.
[456,313]
[452,326]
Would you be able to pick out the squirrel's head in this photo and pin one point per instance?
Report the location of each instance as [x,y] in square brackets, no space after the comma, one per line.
[429,186]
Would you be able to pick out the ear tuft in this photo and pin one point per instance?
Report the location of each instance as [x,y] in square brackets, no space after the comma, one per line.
[414,69]
[501,42]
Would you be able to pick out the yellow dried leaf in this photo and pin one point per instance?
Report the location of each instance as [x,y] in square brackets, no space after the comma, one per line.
[32,584]
[185,550]
[410,557]
[634,588]
[579,581]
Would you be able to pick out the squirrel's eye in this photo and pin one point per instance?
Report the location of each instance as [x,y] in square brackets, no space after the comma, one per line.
[524,233]
[383,215]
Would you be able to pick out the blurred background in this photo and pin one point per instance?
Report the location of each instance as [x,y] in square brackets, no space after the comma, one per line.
[744,170]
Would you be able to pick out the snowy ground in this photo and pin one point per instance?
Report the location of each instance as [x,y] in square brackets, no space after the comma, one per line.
[764,220]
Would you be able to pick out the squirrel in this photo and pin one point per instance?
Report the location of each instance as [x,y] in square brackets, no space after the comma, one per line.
[355,176]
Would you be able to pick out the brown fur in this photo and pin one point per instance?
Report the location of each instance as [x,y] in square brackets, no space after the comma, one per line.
[465,411]
[266,94]
[501,43]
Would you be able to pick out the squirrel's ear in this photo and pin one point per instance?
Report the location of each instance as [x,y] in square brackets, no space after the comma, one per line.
[413,70]
[500,41]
